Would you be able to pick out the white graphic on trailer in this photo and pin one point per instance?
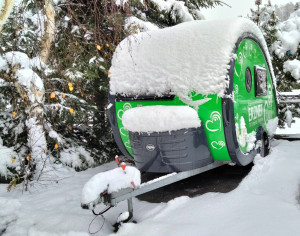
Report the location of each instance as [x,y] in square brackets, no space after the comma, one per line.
[241,61]
[268,105]
[126,107]
[214,124]
[127,144]
[218,144]
[236,93]
[241,132]
[236,72]
[122,130]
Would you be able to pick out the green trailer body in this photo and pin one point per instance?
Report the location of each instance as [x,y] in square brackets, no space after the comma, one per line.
[235,125]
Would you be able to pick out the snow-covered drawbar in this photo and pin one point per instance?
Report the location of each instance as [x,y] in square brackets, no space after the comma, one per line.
[108,182]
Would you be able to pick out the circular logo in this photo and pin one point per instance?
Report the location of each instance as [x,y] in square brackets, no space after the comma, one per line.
[150,147]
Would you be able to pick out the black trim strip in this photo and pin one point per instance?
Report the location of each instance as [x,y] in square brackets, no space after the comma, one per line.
[120,98]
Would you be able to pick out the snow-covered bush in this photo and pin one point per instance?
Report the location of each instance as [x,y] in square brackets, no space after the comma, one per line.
[292,67]
[281,28]
[72,121]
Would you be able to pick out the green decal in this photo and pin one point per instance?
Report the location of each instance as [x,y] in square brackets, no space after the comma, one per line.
[252,107]
[121,107]
[255,106]
[210,113]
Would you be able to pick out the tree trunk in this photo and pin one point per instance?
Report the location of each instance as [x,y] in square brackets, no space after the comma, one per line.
[36,139]
[37,160]
[49,34]
[5,11]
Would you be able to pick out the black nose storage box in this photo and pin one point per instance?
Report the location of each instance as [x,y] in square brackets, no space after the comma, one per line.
[172,151]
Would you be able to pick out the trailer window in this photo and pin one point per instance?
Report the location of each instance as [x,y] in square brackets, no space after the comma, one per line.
[248,79]
[260,78]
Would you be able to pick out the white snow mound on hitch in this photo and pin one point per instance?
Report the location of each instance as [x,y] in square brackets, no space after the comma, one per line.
[108,182]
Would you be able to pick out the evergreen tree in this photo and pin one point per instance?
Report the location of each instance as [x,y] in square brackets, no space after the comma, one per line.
[269,21]
[285,81]
[266,19]
[76,78]
[255,14]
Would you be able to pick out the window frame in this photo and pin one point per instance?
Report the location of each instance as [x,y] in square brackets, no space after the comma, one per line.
[258,70]
[248,87]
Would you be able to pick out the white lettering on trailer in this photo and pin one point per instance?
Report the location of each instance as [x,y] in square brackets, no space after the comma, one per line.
[255,112]
[268,105]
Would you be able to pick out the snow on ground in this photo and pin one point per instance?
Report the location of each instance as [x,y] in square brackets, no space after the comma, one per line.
[265,203]
[295,128]
[53,209]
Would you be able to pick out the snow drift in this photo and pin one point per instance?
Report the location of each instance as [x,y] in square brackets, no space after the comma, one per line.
[265,203]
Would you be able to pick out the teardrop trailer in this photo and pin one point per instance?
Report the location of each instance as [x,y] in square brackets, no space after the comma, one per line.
[190,98]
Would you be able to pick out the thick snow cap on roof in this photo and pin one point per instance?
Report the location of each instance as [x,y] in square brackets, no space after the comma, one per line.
[192,56]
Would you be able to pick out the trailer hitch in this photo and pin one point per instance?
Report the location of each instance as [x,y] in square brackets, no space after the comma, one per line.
[112,199]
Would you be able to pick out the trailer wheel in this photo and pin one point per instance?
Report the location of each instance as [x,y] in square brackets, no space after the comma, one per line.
[265,145]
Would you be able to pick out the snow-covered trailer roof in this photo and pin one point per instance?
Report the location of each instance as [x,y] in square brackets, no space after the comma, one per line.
[192,56]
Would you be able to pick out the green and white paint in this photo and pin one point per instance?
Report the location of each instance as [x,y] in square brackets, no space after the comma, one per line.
[250,111]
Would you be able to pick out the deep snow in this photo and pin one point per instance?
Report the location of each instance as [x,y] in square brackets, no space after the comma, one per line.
[265,203]
[294,129]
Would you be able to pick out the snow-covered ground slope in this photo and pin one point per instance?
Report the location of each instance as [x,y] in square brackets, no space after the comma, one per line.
[265,203]
[295,128]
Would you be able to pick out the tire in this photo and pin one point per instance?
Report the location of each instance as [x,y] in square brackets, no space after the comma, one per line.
[265,145]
